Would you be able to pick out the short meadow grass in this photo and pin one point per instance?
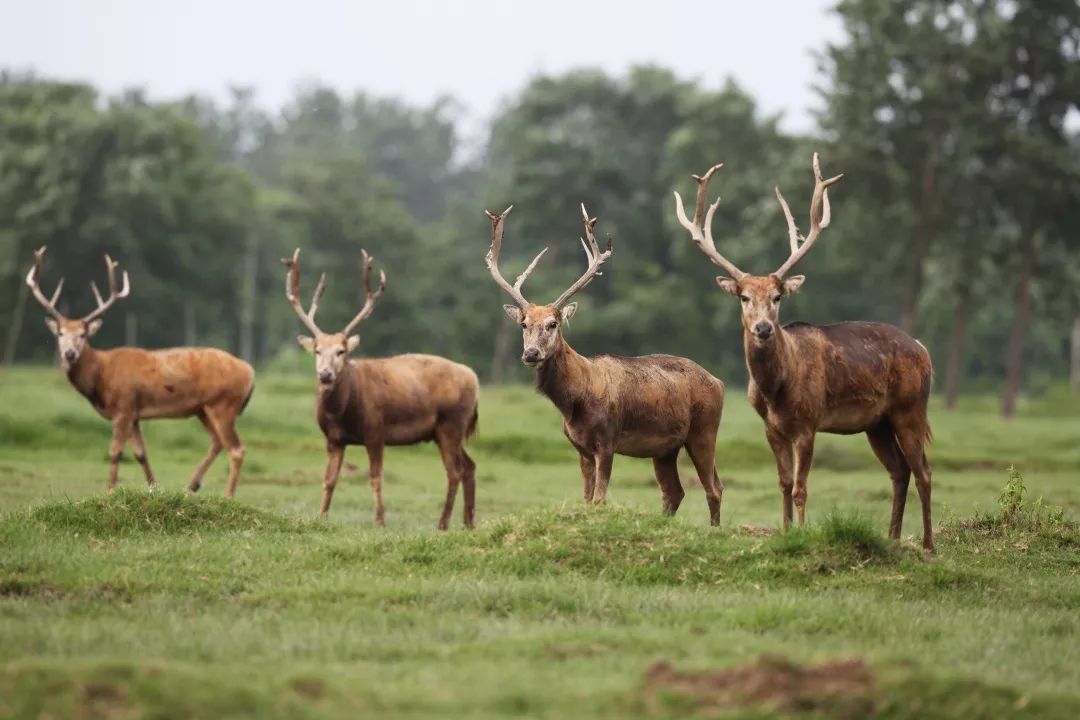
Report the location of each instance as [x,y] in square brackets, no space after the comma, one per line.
[167,605]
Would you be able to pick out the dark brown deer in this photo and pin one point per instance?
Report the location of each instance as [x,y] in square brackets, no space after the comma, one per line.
[126,385]
[649,407]
[400,400]
[844,378]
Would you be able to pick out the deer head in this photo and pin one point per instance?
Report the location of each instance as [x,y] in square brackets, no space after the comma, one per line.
[760,295]
[541,324]
[331,350]
[72,333]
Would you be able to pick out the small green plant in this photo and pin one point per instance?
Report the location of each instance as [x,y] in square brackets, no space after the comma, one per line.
[1011,500]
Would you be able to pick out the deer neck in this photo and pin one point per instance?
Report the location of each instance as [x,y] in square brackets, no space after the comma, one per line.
[564,378]
[83,374]
[769,363]
[336,399]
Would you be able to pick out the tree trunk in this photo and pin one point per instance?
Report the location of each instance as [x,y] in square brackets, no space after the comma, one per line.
[11,342]
[503,337]
[189,323]
[131,329]
[248,299]
[1074,367]
[1015,369]
[924,234]
[954,361]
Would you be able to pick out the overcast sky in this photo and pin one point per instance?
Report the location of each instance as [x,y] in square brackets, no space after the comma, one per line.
[481,52]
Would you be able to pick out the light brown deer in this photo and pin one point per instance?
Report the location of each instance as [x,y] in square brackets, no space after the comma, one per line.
[127,385]
[648,407]
[844,378]
[400,400]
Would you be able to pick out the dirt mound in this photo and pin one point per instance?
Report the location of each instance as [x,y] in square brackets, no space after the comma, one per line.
[840,688]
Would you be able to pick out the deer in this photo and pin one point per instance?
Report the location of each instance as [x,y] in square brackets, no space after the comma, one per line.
[647,407]
[399,400]
[127,384]
[842,378]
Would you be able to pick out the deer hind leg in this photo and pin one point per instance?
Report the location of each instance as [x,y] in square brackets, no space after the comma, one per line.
[804,458]
[783,451]
[469,484]
[121,432]
[702,451]
[883,442]
[211,454]
[224,421]
[139,446]
[588,474]
[911,432]
[374,475]
[667,477]
[450,448]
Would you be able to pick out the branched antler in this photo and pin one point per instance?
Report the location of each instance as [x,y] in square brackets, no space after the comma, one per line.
[32,283]
[371,297]
[820,215]
[114,295]
[592,254]
[701,228]
[492,259]
[292,292]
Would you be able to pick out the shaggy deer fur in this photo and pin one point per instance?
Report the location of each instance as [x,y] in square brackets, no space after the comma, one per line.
[649,406]
[845,378]
[127,384]
[400,400]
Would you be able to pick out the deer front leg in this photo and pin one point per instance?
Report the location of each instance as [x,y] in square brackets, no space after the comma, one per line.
[139,446]
[121,432]
[588,474]
[375,473]
[804,458]
[335,455]
[782,451]
[604,459]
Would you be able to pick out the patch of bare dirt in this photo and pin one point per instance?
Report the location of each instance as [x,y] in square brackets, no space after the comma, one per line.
[840,688]
[757,530]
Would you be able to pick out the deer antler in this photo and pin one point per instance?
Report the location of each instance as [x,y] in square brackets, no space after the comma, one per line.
[701,228]
[32,283]
[369,302]
[592,254]
[492,259]
[820,215]
[292,292]
[103,305]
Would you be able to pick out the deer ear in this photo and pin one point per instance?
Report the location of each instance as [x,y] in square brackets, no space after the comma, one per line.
[728,285]
[308,343]
[352,343]
[568,312]
[93,327]
[514,313]
[54,328]
[793,283]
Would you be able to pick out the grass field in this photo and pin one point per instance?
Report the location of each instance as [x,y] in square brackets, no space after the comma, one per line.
[171,606]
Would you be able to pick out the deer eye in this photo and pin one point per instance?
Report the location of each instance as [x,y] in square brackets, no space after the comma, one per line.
[340,351]
[523,326]
[552,325]
[744,299]
[776,299]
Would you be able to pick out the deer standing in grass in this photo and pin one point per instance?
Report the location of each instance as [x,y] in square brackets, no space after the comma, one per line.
[127,385]
[648,407]
[400,400]
[844,378]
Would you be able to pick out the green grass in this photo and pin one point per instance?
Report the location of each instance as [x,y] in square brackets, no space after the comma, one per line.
[164,605]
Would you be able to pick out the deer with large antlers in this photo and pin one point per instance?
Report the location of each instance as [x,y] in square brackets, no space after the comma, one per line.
[648,407]
[127,385]
[844,378]
[400,400]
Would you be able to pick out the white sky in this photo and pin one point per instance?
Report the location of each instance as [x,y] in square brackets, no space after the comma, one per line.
[481,52]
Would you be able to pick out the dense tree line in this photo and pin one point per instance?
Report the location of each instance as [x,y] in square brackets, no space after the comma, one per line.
[955,122]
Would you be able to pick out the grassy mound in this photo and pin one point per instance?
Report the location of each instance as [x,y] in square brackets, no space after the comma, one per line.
[133,512]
